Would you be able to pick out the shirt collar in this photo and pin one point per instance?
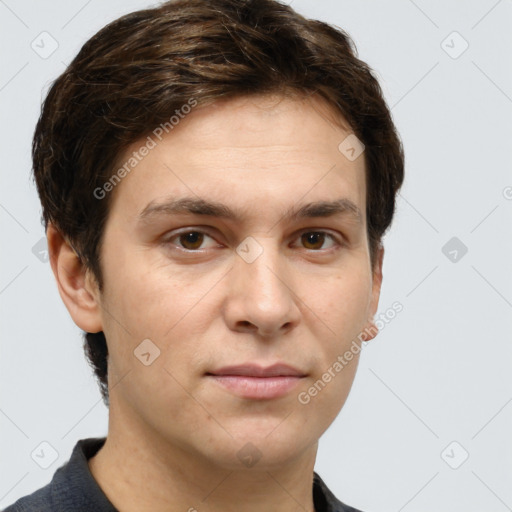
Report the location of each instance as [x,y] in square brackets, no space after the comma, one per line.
[74,483]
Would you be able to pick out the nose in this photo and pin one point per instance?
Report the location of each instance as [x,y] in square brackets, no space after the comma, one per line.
[260,297]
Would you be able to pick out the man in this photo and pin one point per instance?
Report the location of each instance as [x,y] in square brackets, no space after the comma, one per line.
[216,178]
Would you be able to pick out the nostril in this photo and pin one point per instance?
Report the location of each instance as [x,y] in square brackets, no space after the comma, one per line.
[245,324]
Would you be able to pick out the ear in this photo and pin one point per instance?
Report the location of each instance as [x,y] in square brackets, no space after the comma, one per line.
[77,288]
[371,330]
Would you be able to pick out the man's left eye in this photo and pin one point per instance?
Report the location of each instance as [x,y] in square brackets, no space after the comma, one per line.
[316,239]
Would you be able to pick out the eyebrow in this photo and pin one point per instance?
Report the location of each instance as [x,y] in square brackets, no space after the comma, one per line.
[197,206]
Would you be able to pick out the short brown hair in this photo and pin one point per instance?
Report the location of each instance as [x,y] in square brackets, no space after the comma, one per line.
[137,71]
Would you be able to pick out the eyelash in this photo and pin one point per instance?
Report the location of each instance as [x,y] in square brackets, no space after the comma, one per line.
[338,243]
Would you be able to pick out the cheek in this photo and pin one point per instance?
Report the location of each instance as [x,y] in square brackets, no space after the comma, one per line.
[343,302]
[342,305]
[320,400]
[150,329]
[150,300]
[151,296]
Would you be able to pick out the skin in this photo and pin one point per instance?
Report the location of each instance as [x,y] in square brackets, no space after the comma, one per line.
[174,434]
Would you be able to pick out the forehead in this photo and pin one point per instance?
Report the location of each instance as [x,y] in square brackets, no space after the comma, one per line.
[254,153]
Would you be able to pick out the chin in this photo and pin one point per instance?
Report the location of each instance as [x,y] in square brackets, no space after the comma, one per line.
[265,448]
[257,456]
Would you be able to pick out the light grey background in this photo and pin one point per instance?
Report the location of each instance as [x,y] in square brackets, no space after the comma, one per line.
[440,370]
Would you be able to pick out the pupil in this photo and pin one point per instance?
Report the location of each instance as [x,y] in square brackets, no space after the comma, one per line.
[314,238]
[193,238]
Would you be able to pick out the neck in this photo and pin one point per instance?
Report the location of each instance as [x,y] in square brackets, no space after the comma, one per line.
[138,470]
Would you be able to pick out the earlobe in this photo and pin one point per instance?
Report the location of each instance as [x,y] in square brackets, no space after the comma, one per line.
[77,290]
[370,331]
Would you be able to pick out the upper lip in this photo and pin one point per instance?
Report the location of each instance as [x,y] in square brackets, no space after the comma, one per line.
[254,370]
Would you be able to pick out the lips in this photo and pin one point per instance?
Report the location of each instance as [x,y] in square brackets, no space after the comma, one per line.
[252,370]
[256,382]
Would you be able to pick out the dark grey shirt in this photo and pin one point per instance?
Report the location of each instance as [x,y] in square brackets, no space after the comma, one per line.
[73,488]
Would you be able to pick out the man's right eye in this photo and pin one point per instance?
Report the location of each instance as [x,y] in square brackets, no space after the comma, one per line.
[190,240]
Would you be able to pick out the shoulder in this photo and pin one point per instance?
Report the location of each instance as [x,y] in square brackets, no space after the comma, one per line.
[71,488]
[324,499]
[40,500]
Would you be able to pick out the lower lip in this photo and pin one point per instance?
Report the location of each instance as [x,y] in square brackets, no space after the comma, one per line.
[259,388]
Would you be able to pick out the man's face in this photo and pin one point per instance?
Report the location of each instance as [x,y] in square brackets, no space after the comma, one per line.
[261,287]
